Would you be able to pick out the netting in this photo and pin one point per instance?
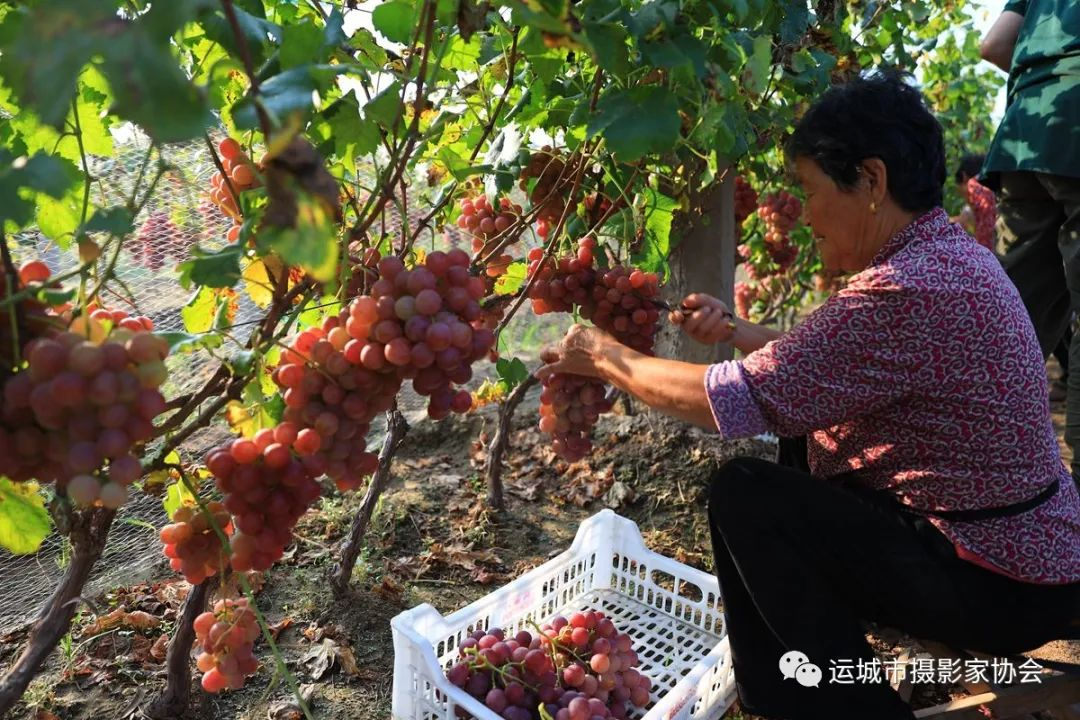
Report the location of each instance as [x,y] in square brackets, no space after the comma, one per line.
[178,217]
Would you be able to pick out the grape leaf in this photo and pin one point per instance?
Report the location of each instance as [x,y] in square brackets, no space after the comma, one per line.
[631,133]
[396,20]
[653,253]
[178,495]
[180,343]
[512,280]
[24,521]
[216,270]
[291,91]
[511,372]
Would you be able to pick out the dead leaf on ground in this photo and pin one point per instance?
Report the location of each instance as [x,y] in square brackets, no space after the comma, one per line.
[322,658]
[45,715]
[485,577]
[389,589]
[619,494]
[160,648]
[278,627]
[289,709]
[585,487]
[119,617]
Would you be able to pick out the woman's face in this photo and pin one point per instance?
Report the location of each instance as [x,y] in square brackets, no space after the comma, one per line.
[840,219]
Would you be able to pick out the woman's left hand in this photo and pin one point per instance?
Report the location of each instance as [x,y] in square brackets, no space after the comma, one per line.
[578,353]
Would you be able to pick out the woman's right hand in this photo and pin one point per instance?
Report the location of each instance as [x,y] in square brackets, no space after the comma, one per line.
[708,320]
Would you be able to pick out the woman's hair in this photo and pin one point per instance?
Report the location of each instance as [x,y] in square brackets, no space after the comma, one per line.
[876,116]
[970,167]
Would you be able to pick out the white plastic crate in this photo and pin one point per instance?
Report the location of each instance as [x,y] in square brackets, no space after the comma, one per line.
[669,609]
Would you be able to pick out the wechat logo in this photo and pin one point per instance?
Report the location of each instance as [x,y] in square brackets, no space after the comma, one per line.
[794,664]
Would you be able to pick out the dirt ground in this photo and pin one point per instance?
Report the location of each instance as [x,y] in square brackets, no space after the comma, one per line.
[433,540]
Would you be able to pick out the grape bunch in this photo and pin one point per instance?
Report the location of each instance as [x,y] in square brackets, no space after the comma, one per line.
[570,405]
[781,212]
[158,238]
[225,637]
[577,668]
[746,200]
[422,324]
[745,297]
[549,196]
[243,174]
[192,544]
[488,228]
[32,318]
[623,306]
[620,301]
[87,397]
[330,401]
[266,489]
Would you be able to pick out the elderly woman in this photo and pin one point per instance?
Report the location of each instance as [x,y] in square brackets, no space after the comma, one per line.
[935,499]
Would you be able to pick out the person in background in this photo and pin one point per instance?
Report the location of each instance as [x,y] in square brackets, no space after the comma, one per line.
[1034,166]
[932,497]
[979,216]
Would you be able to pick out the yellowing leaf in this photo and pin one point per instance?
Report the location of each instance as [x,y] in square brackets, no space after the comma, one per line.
[257,283]
[248,421]
[24,522]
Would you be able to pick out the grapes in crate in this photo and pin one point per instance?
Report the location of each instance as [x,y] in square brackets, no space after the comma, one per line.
[576,668]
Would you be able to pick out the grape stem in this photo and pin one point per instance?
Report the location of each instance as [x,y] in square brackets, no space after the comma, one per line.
[487,664]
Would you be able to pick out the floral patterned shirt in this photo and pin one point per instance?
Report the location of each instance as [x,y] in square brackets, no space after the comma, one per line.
[983,206]
[925,378]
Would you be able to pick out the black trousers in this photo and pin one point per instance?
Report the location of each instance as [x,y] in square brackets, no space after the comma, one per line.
[802,562]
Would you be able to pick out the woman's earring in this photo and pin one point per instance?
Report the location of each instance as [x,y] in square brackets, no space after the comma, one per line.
[873,207]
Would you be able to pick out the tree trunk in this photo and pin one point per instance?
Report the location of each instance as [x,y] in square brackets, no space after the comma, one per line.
[702,261]
[89,530]
[176,695]
[341,572]
[501,440]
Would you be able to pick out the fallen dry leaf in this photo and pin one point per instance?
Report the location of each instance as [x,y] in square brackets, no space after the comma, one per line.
[45,715]
[278,627]
[347,660]
[389,589]
[289,709]
[322,658]
[160,648]
[121,618]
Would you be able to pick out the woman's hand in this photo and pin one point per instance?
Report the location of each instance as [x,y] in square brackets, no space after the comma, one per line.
[709,322]
[580,352]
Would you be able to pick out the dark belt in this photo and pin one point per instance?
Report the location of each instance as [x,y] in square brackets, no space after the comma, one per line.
[994,512]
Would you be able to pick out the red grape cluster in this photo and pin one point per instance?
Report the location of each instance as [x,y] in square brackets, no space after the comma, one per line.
[746,200]
[570,405]
[242,175]
[226,636]
[158,237]
[579,668]
[745,297]
[488,228]
[549,195]
[87,397]
[266,489]
[423,324]
[192,544]
[31,317]
[618,300]
[781,212]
